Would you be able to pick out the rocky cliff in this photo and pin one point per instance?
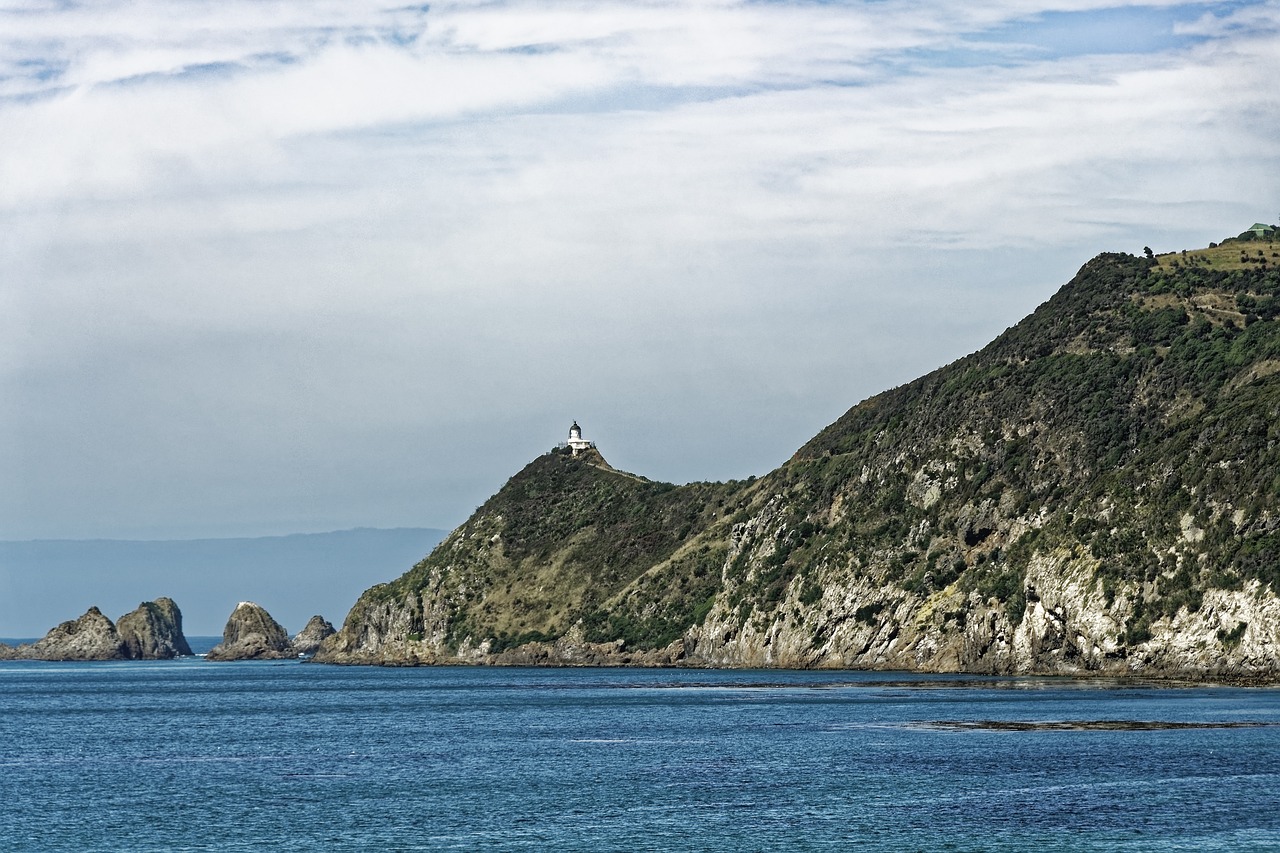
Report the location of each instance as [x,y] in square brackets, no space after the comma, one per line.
[152,632]
[308,640]
[91,637]
[1094,491]
[251,634]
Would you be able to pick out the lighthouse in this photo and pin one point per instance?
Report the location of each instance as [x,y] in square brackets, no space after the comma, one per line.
[576,442]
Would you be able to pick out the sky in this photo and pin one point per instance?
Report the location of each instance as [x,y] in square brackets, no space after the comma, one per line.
[47,582]
[280,267]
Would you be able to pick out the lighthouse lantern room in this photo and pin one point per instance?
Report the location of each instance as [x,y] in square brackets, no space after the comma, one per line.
[576,442]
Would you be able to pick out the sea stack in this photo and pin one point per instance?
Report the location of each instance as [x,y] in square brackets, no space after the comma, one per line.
[91,637]
[153,631]
[308,640]
[251,634]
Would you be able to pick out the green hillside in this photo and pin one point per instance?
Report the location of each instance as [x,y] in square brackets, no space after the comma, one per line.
[1097,489]
[558,542]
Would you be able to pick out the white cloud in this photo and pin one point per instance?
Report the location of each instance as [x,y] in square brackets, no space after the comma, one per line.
[260,254]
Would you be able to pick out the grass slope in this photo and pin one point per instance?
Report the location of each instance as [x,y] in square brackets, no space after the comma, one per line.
[1134,418]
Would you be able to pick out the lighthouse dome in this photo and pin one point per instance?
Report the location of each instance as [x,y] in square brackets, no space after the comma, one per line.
[576,442]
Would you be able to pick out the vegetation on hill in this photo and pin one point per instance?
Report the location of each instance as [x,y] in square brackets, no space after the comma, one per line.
[1101,469]
[1134,399]
[562,539]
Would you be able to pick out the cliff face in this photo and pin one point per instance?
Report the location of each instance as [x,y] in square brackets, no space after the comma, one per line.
[1095,491]
[91,637]
[315,632]
[153,631]
[251,634]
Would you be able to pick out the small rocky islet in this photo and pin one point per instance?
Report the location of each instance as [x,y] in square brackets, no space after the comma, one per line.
[251,634]
[153,631]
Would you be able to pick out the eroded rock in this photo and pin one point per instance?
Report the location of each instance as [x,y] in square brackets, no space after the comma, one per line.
[153,631]
[91,637]
[308,640]
[251,634]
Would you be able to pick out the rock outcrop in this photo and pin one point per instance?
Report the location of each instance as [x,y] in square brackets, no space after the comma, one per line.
[89,638]
[251,634]
[153,631]
[308,640]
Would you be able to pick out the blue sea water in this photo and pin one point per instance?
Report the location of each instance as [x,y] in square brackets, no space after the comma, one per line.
[190,755]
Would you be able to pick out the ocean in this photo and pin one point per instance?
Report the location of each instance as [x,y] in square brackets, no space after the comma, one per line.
[189,755]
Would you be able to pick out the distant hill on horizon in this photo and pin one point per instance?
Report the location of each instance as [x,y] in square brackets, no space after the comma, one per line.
[47,581]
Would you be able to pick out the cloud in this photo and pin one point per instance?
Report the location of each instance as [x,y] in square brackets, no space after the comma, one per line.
[274,267]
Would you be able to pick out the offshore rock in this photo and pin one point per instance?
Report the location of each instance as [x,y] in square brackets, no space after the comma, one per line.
[91,637]
[153,631]
[308,640]
[251,634]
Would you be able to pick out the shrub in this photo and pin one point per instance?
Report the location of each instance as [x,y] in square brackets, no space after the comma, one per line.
[1232,638]
[868,612]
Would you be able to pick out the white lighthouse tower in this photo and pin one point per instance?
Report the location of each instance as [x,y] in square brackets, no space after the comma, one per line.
[576,442]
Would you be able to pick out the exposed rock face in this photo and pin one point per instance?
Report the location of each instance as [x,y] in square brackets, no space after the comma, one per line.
[1093,492]
[308,640]
[574,650]
[153,631]
[91,637]
[251,634]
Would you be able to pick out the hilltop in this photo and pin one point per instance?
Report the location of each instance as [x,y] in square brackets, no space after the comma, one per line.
[1097,490]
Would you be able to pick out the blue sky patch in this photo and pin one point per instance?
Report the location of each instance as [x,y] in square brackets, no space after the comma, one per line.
[1131,29]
